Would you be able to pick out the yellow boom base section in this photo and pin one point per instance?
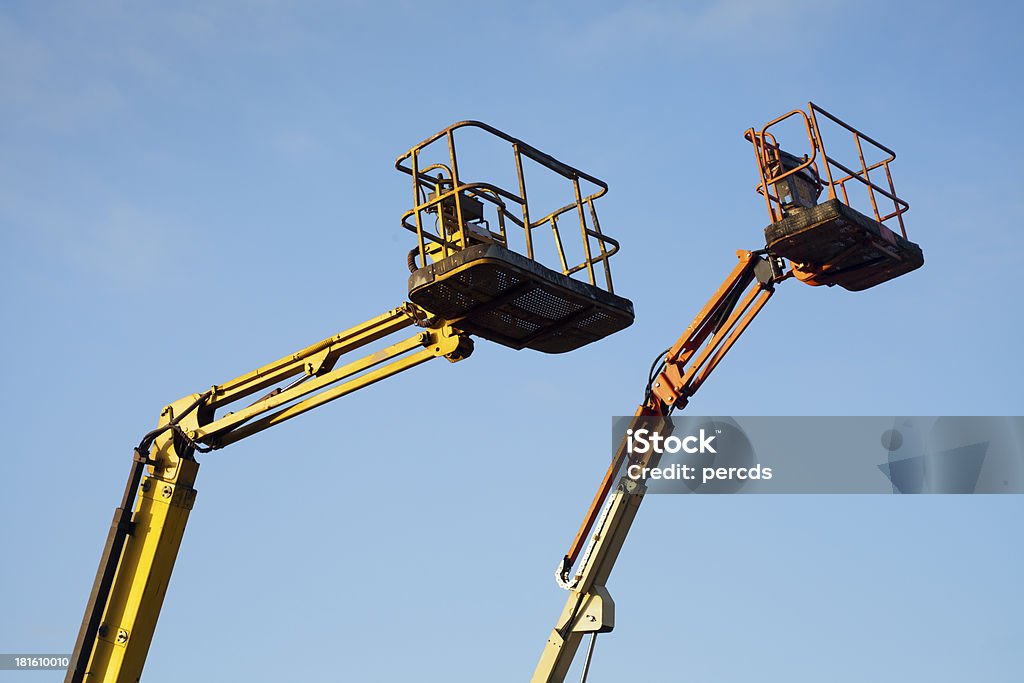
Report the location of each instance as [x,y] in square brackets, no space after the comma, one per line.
[142,576]
[136,565]
[590,608]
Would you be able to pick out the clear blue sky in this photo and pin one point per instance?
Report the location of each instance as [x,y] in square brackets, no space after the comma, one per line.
[189,190]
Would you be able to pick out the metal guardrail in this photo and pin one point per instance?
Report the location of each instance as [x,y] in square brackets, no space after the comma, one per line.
[445,191]
[837,174]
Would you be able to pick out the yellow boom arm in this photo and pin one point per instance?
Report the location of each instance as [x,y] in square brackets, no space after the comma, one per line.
[143,541]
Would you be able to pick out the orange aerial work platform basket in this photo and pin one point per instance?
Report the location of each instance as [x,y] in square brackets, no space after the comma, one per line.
[478,261]
[833,243]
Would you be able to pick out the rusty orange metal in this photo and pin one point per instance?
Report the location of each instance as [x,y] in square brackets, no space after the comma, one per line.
[837,173]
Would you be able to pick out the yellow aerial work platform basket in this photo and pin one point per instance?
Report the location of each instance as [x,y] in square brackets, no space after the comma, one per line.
[478,261]
[832,243]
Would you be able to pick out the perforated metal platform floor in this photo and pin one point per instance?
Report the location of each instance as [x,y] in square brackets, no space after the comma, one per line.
[503,296]
[852,250]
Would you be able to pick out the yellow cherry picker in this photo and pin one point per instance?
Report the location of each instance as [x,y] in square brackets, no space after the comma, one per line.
[476,269]
[825,242]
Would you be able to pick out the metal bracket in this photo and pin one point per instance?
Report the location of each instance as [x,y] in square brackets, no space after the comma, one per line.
[597,612]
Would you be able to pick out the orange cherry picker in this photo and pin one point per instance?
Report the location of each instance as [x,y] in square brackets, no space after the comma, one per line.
[825,243]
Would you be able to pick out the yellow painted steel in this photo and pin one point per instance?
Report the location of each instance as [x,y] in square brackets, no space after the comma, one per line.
[142,545]
[590,608]
[443,341]
[315,356]
[166,494]
[440,190]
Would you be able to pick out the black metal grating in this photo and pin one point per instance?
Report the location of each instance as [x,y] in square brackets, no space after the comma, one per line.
[497,294]
[853,251]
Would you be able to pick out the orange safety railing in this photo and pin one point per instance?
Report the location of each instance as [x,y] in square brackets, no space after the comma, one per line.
[837,174]
[445,192]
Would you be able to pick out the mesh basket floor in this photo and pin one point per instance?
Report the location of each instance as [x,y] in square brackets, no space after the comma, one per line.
[497,294]
[859,252]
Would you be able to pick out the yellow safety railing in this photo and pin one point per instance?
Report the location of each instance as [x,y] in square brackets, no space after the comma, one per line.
[460,211]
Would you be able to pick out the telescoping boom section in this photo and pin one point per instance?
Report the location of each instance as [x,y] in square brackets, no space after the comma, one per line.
[467,279]
[832,243]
